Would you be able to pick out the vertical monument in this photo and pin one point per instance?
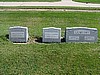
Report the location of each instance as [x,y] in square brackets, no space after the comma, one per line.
[81,34]
[51,34]
[18,34]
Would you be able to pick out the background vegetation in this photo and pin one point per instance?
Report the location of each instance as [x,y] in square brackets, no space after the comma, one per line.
[48,58]
[48,7]
[88,1]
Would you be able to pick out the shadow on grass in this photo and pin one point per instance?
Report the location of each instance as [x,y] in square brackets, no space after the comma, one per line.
[63,40]
[7,36]
[39,40]
[4,37]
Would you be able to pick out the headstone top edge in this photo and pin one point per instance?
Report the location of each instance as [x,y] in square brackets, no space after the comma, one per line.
[18,27]
[80,28]
[51,28]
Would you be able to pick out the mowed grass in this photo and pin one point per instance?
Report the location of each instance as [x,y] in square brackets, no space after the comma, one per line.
[29,0]
[88,1]
[48,58]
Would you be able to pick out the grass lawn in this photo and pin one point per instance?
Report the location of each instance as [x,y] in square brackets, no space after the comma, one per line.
[29,0]
[52,58]
[49,7]
[89,1]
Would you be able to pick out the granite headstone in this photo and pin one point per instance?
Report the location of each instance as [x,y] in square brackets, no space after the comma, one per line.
[51,34]
[81,34]
[18,34]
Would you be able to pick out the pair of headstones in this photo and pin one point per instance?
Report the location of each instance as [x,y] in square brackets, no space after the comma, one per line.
[72,34]
[52,34]
[19,34]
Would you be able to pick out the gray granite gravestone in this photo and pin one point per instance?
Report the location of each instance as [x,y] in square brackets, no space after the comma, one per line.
[81,34]
[51,34]
[18,34]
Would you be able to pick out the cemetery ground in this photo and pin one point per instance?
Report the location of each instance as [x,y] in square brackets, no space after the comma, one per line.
[29,0]
[48,58]
[50,8]
[88,1]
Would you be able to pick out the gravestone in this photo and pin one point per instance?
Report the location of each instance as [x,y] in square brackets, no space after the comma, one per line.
[18,34]
[81,34]
[51,34]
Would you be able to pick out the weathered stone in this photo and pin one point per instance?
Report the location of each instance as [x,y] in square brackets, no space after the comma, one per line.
[51,34]
[18,34]
[81,34]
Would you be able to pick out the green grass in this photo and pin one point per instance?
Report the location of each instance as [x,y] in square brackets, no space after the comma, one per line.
[53,58]
[49,7]
[29,0]
[88,1]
